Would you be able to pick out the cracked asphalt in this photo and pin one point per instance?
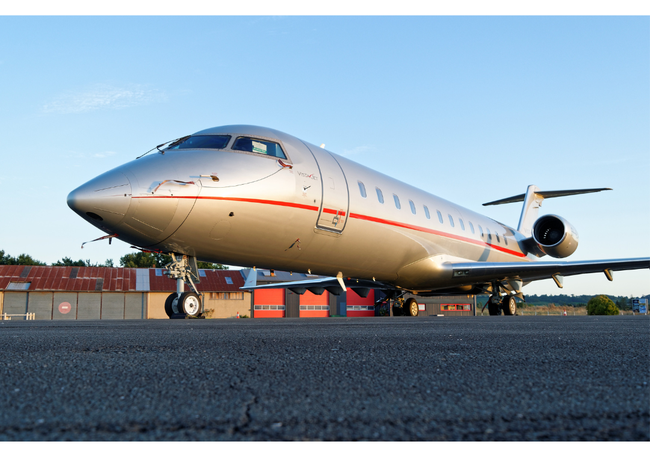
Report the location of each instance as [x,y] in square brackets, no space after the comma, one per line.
[401,378]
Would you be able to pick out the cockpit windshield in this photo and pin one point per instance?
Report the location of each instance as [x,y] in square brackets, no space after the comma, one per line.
[201,141]
[247,144]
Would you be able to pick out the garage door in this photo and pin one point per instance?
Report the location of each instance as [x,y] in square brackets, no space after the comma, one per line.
[40,303]
[269,303]
[89,306]
[112,306]
[134,306]
[15,303]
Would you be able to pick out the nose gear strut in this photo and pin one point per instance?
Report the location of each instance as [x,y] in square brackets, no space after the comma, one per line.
[183,304]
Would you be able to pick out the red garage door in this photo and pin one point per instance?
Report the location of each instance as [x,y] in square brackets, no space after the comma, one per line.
[312,305]
[269,303]
[358,306]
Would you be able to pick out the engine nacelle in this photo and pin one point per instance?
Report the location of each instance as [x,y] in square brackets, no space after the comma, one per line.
[555,236]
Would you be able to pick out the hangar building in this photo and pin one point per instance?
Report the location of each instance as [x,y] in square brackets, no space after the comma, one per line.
[94,293]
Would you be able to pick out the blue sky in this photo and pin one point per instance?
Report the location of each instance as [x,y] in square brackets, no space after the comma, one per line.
[472,109]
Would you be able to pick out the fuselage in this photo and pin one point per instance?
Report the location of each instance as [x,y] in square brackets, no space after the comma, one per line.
[286,204]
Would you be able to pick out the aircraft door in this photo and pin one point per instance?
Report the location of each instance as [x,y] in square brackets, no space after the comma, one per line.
[335,202]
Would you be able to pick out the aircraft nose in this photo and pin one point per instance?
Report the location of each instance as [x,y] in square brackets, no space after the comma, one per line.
[104,200]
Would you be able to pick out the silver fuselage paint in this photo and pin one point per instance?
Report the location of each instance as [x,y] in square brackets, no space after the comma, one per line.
[303,213]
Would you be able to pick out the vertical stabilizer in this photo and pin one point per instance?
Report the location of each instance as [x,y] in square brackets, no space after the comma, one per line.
[530,210]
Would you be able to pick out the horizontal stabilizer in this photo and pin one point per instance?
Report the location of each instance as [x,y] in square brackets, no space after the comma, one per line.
[533,199]
[545,194]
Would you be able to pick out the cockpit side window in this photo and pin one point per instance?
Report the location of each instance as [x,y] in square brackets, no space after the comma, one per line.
[253,145]
[201,141]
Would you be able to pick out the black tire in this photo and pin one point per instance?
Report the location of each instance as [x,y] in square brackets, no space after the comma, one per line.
[169,307]
[411,307]
[494,309]
[189,304]
[510,305]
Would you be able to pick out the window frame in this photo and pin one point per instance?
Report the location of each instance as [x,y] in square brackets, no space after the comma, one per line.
[259,138]
[380,195]
[362,189]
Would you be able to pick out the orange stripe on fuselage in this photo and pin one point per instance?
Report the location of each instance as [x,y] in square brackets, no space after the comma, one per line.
[352,216]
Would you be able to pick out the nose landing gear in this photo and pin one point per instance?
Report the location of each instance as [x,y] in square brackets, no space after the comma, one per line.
[182,304]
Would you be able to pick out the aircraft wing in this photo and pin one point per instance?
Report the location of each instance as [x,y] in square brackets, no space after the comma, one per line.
[335,285]
[463,274]
[474,272]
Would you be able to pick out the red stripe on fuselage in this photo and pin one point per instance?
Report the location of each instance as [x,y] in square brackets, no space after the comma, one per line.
[352,216]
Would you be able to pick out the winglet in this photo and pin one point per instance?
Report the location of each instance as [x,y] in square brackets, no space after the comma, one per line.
[251,279]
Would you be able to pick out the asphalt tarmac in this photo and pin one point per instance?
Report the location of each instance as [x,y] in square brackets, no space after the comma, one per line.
[399,378]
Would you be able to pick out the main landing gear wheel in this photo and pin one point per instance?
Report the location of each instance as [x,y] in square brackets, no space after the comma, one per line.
[411,307]
[189,304]
[509,305]
[171,305]
[494,309]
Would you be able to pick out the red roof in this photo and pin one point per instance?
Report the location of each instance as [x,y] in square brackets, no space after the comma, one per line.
[95,279]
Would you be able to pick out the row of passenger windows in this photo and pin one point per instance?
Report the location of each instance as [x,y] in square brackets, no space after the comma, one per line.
[398,205]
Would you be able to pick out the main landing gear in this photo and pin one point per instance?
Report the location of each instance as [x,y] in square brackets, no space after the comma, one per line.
[182,304]
[506,303]
[403,307]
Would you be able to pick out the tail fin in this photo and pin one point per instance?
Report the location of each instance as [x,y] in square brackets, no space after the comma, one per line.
[533,200]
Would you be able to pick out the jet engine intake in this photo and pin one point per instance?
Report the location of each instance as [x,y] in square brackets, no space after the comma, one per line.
[555,236]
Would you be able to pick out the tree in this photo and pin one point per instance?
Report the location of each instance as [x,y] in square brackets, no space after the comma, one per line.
[601,305]
[207,265]
[139,259]
[21,260]
[68,262]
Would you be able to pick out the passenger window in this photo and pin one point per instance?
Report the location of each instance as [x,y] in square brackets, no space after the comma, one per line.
[505,239]
[412,206]
[362,189]
[439,216]
[471,227]
[247,144]
[481,230]
[497,235]
[451,219]
[489,234]
[380,196]
[398,205]
[200,141]
[426,212]
[462,225]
